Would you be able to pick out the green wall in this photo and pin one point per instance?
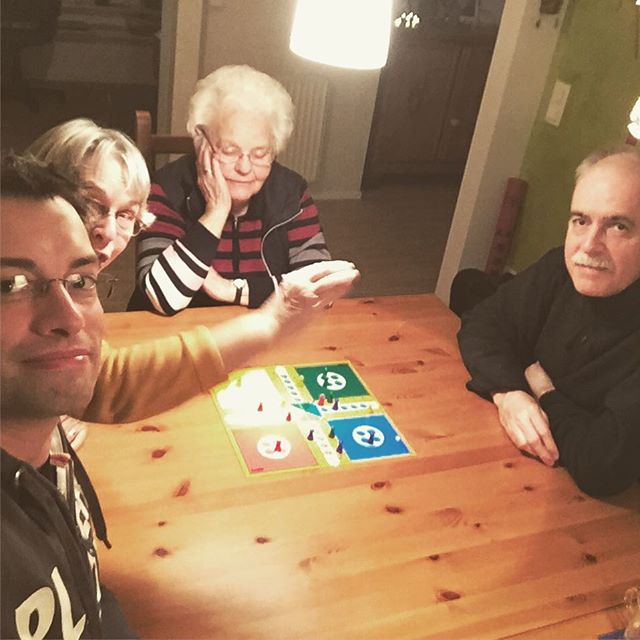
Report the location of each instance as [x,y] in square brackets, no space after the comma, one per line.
[596,54]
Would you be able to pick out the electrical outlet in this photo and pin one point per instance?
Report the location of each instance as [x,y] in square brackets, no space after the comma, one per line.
[557,102]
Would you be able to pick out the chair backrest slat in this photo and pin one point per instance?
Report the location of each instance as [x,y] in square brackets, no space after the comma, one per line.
[153,144]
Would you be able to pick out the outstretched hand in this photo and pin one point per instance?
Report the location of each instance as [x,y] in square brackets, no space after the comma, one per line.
[300,295]
[527,425]
[307,290]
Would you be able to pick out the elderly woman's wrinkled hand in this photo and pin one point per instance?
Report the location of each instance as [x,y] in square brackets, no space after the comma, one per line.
[307,290]
[318,284]
[214,189]
[217,287]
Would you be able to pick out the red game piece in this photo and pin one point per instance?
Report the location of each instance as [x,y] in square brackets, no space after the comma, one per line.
[288,417]
[321,400]
[278,446]
[260,407]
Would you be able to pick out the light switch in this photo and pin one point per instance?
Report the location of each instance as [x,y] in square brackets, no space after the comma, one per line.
[557,102]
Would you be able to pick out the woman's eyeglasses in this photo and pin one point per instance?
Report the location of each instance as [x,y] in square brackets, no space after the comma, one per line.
[230,153]
[129,222]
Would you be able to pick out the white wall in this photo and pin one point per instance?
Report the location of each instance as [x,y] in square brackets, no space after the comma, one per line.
[256,32]
[512,94]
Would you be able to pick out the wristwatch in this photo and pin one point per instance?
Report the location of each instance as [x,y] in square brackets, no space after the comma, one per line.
[239,284]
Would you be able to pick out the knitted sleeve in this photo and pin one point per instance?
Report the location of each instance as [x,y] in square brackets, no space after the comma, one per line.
[172,259]
[498,336]
[306,239]
[148,378]
[601,451]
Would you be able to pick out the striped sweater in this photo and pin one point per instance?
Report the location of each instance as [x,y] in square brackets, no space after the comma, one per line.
[279,233]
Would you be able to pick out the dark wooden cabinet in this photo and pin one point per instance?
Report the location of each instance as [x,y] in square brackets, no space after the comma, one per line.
[428,100]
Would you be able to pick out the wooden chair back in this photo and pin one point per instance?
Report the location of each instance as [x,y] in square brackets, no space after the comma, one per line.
[153,144]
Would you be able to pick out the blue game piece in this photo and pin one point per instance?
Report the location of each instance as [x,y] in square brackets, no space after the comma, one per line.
[339,447]
[310,436]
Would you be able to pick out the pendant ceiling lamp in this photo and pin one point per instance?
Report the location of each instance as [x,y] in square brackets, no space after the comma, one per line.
[342,33]
[634,125]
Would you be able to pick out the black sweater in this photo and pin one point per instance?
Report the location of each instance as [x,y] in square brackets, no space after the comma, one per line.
[589,347]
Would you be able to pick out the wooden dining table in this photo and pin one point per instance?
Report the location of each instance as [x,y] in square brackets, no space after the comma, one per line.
[465,539]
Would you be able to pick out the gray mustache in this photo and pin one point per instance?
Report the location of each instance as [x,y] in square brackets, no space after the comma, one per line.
[582,259]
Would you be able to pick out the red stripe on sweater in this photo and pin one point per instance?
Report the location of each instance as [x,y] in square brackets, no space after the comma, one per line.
[247,245]
[244,226]
[308,212]
[251,266]
[303,233]
[222,266]
[161,209]
[165,227]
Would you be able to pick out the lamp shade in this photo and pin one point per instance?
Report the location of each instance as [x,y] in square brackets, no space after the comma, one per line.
[342,33]
[634,124]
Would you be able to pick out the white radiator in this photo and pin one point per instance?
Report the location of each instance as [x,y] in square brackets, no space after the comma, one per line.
[303,152]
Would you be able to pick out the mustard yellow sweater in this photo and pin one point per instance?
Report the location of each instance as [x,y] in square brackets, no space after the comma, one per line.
[148,378]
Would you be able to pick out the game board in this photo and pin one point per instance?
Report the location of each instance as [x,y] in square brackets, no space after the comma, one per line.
[290,417]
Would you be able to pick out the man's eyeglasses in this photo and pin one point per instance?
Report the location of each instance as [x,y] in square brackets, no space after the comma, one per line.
[20,287]
[230,153]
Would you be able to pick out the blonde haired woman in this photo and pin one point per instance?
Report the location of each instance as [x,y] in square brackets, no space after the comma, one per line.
[113,174]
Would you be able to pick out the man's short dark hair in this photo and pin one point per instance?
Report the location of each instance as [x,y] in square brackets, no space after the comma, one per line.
[24,177]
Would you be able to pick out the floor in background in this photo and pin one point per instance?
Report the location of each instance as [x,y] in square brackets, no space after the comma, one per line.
[396,234]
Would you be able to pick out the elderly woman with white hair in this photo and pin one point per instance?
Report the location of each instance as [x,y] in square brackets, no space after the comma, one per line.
[230,219]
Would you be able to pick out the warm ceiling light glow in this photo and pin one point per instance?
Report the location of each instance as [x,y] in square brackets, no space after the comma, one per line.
[634,116]
[342,33]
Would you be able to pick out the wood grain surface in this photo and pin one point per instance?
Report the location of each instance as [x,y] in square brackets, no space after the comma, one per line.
[466,539]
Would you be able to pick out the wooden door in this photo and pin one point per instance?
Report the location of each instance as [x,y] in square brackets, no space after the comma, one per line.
[460,120]
[412,103]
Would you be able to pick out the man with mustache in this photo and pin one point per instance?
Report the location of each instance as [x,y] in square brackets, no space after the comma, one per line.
[557,348]
[50,355]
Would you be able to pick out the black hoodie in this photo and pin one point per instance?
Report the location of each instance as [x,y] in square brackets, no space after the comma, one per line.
[49,577]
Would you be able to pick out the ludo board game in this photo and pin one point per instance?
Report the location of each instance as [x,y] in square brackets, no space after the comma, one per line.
[289,417]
